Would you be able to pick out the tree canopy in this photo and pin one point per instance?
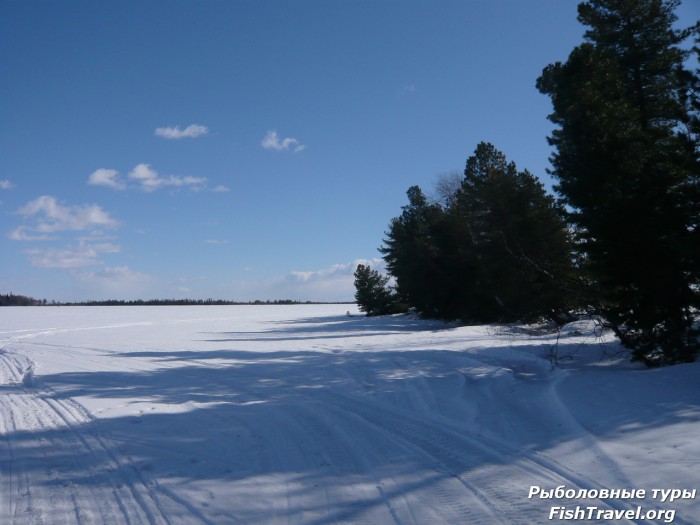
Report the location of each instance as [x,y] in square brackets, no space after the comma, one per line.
[372,294]
[626,162]
[496,250]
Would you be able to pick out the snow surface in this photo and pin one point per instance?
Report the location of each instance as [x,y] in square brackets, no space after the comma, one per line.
[304,415]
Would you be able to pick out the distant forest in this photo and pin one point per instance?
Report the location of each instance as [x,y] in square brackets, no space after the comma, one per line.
[21,300]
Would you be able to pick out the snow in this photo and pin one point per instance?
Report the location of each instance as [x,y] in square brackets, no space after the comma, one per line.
[304,415]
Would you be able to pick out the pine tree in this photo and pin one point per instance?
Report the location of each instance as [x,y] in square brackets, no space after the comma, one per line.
[628,170]
[519,241]
[423,251]
[497,250]
[371,292]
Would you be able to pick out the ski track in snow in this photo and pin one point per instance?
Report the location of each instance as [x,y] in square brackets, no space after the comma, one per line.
[308,422]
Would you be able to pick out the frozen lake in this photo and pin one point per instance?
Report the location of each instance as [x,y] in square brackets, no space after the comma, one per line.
[304,415]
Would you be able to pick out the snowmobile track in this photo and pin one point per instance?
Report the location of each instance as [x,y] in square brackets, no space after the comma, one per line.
[505,500]
[47,441]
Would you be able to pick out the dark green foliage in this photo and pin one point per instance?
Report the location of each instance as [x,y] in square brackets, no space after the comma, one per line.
[627,167]
[20,300]
[418,253]
[519,240]
[371,292]
[497,250]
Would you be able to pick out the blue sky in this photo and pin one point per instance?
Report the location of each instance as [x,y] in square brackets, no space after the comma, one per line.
[249,149]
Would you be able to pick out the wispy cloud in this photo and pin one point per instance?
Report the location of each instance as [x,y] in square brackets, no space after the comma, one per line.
[215,241]
[48,216]
[174,132]
[112,282]
[334,278]
[335,283]
[106,177]
[24,233]
[6,185]
[145,178]
[114,277]
[273,142]
[149,180]
[71,256]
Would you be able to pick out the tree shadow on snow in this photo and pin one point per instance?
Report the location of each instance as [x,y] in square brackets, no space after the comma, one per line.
[315,424]
[336,327]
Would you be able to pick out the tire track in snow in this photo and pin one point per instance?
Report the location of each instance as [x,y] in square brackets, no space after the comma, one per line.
[451,490]
[498,477]
[550,402]
[383,461]
[122,487]
[332,457]
[36,494]
[58,472]
[13,368]
[526,369]
[362,474]
[14,336]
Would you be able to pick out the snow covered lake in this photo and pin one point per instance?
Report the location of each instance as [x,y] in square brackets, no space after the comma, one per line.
[304,415]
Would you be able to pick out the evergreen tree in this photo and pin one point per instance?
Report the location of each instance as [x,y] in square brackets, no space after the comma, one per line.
[422,251]
[519,241]
[20,300]
[371,292]
[628,170]
[497,250]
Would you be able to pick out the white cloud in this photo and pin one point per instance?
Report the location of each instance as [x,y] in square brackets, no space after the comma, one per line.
[70,257]
[149,179]
[6,185]
[332,279]
[117,275]
[335,283]
[106,177]
[50,216]
[21,234]
[272,141]
[119,282]
[215,241]
[174,132]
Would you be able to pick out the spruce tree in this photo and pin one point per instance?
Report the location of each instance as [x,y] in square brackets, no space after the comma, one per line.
[628,170]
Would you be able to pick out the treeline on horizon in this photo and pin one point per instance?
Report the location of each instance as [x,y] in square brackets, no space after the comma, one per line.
[620,239]
[21,300]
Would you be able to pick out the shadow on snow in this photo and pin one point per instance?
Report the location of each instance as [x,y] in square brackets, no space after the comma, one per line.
[326,420]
